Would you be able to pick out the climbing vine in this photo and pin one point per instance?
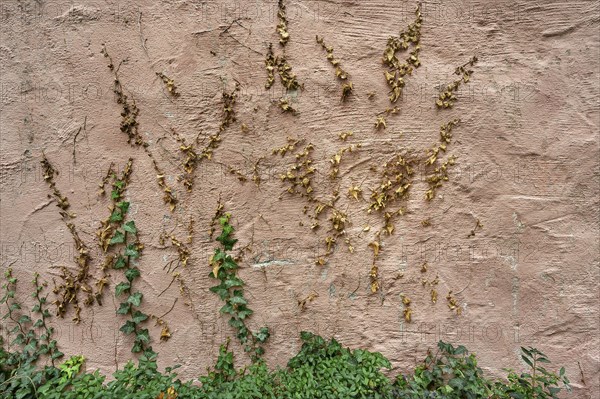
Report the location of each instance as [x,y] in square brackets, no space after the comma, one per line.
[231,290]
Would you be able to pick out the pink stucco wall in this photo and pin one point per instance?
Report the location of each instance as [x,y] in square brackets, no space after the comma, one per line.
[527,168]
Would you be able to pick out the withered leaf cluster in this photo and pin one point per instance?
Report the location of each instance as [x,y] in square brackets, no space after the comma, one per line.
[190,163]
[118,208]
[397,69]
[61,201]
[67,291]
[447,98]
[130,111]
[440,171]
[284,35]
[168,196]
[337,159]
[396,180]
[341,74]
[169,83]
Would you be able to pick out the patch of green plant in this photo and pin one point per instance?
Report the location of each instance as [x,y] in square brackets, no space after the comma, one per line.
[125,237]
[20,374]
[231,290]
[453,373]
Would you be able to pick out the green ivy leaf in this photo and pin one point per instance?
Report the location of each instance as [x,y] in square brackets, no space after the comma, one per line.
[244,313]
[130,227]
[124,308]
[123,206]
[139,317]
[122,287]
[120,263]
[117,238]
[128,327]
[116,216]
[238,300]
[132,251]
[143,335]
[132,273]
[135,299]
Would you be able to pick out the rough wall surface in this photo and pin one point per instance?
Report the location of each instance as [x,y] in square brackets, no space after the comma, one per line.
[527,168]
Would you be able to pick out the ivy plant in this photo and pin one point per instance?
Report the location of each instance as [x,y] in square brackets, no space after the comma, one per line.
[231,290]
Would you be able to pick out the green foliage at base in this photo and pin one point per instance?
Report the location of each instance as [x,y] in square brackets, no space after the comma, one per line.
[321,370]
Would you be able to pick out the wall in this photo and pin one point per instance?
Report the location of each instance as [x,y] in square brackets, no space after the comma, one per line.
[527,168]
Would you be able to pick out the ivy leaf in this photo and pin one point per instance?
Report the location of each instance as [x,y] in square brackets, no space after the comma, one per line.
[220,291]
[262,335]
[135,299]
[233,281]
[139,317]
[244,313]
[130,227]
[124,308]
[238,300]
[132,273]
[227,308]
[119,263]
[117,238]
[128,327]
[137,347]
[132,251]
[116,216]
[143,336]
[122,287]
[123,206]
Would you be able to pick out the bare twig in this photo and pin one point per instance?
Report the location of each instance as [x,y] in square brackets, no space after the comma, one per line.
[142,40]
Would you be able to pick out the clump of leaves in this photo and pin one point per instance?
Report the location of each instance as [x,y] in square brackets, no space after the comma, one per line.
[61,201]
[284,35]
[339,72]
[452,373]
[169,83]
[128,249]
[453,304]
[398,70]
[168,196]
[284,70]
[19,373]
[231,290]
[190,163]
[440,172]
[227,118]
[447,98]
[130,112]
[374,272]
[68,290]
[118,208]
[449,373]
[287,77]
[270,67]
[325,369]
[229,99]
[337,159]
[396,180]
[538,383]
[299,175]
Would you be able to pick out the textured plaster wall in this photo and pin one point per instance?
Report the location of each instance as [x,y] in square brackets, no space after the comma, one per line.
[527,167]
